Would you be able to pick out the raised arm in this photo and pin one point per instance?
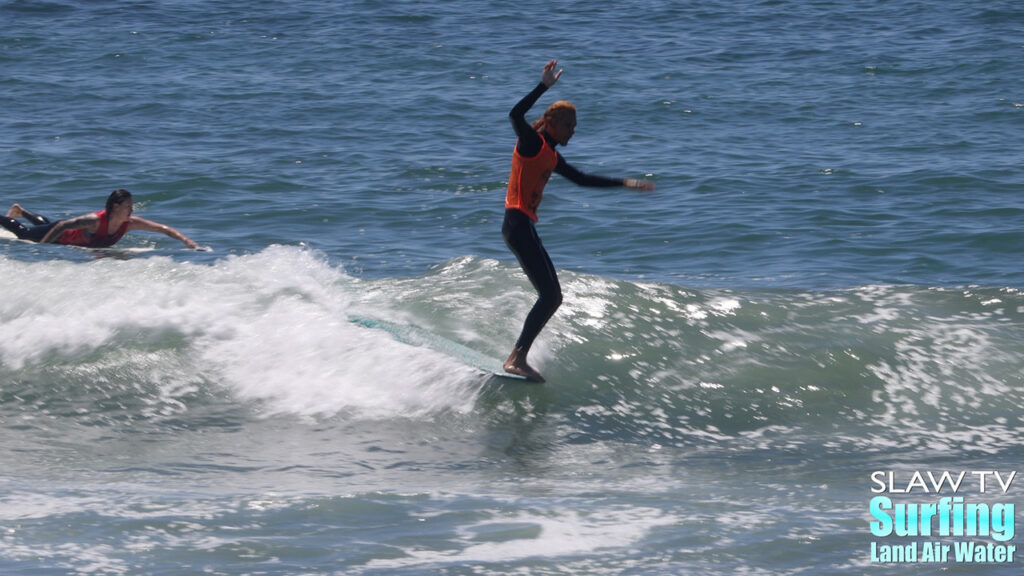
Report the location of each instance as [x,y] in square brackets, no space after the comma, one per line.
[529,141]
[137,223]
[88,222]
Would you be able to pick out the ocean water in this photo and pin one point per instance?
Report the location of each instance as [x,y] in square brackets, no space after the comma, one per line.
[825,285]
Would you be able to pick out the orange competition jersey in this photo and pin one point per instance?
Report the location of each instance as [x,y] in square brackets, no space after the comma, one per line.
[527,180]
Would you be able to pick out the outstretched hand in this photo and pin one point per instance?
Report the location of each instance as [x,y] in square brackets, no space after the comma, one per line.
[642,185]
[549,77]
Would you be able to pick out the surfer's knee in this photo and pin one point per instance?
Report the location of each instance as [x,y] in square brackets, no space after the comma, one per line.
[552,300]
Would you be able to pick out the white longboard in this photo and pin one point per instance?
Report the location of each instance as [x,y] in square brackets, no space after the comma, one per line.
[415,336]
[6,234]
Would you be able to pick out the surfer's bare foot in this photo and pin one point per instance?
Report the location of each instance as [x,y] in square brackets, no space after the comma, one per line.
[516,364]
[14,212]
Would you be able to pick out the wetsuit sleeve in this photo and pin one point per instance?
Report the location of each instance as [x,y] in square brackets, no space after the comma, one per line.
[529,141]
[582,179]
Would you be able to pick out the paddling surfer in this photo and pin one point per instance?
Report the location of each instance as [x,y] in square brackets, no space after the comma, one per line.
[533,161]
[100,229]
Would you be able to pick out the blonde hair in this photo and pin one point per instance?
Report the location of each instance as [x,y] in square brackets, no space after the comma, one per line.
[559,110]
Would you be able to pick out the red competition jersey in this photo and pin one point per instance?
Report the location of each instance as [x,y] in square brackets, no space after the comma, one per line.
[98,240]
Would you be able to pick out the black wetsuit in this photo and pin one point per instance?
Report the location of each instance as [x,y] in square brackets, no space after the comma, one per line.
[520,233]
[40,226]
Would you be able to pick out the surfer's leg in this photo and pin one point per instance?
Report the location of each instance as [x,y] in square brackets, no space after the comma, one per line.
[40,224]
[541,271]
[521,237]
[13,226]
[34,218]
[16,211]
[35,233]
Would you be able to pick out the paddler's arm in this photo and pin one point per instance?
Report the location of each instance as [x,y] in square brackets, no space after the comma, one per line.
[89,222]
[137,223]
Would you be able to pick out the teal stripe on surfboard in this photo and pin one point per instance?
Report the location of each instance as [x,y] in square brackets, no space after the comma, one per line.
[416,336]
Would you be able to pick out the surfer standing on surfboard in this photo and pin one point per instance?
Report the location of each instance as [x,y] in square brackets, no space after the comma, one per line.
[94,230]
[533,161]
